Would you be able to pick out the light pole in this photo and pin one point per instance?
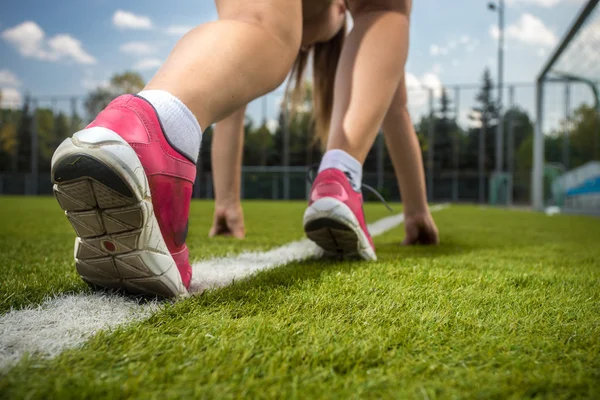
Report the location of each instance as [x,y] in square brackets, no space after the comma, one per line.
[499,6]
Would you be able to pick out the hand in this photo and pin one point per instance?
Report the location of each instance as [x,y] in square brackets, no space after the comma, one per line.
[229,222]
[420,229]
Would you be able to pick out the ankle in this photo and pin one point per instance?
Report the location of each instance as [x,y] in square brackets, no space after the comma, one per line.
[179,124]
[340,160]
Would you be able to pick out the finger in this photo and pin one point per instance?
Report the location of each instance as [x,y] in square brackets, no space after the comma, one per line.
[239,233]
[411,238]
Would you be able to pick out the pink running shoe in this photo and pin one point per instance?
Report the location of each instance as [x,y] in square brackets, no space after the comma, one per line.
[127,193]
[335,219]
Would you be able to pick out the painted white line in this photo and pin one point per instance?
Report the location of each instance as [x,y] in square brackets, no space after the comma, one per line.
[64,322]
[220,272]
[68,321]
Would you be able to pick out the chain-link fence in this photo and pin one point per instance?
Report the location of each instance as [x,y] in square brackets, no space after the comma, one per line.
[457,127]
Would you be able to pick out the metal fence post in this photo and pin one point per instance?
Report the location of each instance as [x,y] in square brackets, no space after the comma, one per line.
[510,151]
[286,151]
[567,134]
[430,148]
[74,127]
[264,109]
[481,160]
[456,145]
[537,172]
[34,150]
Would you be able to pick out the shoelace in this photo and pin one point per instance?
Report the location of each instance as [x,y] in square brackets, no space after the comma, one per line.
[310,178]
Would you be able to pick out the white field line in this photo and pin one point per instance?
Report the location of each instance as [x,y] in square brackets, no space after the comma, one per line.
[68,321]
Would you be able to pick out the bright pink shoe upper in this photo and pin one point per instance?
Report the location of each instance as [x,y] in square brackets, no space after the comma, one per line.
[334,183]
[171,176]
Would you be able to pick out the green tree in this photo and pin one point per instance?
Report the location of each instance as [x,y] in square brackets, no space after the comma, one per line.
[8,143]
[98,99]
[488,108]
[585,136]
[44,118]
[445,131]
[304,149]
[259,143]
[23,155]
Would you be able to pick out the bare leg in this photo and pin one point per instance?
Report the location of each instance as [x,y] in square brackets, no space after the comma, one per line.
[370,69]
[405,153]
[226,156]
[221,66]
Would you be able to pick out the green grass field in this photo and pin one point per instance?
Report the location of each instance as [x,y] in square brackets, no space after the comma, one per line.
[508,306]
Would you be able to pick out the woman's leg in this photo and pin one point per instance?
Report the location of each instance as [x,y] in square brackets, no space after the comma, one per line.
[226,156]
[140,152]
[370,69]
[220,66]
[405,152]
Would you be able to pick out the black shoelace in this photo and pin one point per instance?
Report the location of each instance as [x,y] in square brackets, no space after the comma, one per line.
[310,178]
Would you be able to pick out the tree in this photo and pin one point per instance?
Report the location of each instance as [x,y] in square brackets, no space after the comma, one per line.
[98,99]
[259,143]
[23,156]
[303,146]
[8,142]
[445,131]
[488,108]
[127,82]
[44,118]
[585,136]
[487,105]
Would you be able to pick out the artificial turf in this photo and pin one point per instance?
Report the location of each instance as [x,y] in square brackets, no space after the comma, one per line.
[508,306]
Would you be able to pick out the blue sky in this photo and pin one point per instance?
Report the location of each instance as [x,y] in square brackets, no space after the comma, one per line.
[68,47]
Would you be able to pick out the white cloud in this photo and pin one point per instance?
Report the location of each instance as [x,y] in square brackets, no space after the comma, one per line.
[137,48]
[541,52]
[494,31]
[452,45]
[418,88]
[432,81]
[455,63]
[66,46]
[11,98]
[437,69]
[126,20]
[26,37]
[178,30]
[471,47]
[436,50]
[30,41]
[7,78]
[412,82]
[540,3]
[529,30]
[148,63]
[90,83]
[272,125]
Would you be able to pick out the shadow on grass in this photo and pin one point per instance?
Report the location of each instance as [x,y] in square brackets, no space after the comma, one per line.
[392,249]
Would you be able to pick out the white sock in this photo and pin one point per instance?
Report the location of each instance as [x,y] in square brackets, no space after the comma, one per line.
[343,161]
[181,126]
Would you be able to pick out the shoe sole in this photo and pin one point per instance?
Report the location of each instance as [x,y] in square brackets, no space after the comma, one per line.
[333,227]
[100,184]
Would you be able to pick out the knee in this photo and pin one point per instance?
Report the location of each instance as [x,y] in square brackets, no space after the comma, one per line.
[358,7]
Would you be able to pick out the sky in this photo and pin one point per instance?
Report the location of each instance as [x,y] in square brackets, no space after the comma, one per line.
[69,47]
